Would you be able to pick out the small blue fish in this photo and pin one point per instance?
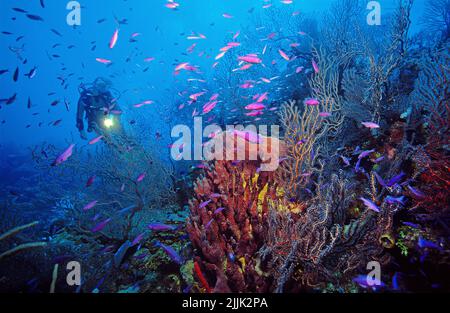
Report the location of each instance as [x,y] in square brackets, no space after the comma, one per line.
[345,160]
[423,243]
[395,281]
[411,224]
[394,200]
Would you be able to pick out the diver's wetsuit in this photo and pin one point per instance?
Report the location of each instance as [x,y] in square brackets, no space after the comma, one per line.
[95,107]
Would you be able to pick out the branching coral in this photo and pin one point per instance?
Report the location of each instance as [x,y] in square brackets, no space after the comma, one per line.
[325,244]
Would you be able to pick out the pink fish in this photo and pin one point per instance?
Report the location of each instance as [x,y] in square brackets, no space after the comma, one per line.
[370,125]
[191,48]
[250,58]
[236,35]
[262,97]
[214,97]
[64,156]
[226,48]
[283,55]
[122,188]
[95,140]
[103,61]
[324,114]
[245,67]
[208,107]
[248,136]
[255,113]
[114,38]
[247,85]
[220,55]
[255,106]
[226,15]
[141,177]
[101,226]
[181,66]
[312,102]
[315,66]
[195,96]
[299,69]
[90,205]
[233,44]
[149,59]
[266,80]
[172,5]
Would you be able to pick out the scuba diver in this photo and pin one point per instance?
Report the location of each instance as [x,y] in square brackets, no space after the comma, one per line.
[95,105]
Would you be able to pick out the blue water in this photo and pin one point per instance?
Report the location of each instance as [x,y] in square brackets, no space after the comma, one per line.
[41,124]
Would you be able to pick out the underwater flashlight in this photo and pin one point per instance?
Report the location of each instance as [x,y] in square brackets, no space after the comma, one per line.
[108,122]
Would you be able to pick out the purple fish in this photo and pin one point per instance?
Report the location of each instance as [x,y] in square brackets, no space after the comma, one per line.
[219,210]
[90,205]
[411,224]
[379,179]
[370,205]
[64,156]
[357,165]
[101,226]
[416,192]
[141,177]
[171,252]
[160,227]
[378,160]
[138,239]
[204,204]
[209,224]
[365,281]
[395,179]
[365,153]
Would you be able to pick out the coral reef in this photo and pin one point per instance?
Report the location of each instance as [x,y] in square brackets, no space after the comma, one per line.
[228,222]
